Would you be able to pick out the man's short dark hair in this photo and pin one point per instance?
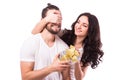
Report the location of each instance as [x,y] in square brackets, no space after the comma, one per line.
[49,7]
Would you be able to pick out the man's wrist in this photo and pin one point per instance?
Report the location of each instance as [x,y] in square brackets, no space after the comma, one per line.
[51,69]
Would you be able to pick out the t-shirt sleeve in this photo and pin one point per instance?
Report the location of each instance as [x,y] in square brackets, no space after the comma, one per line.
[27,51]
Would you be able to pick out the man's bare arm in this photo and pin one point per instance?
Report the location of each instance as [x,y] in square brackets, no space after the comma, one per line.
[28,73]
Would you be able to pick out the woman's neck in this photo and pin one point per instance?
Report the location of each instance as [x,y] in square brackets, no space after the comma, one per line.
[78,42]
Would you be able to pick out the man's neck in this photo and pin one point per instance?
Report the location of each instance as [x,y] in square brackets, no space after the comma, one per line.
[48,38]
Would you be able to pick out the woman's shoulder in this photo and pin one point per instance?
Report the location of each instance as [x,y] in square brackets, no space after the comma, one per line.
[66,30]
[63,32]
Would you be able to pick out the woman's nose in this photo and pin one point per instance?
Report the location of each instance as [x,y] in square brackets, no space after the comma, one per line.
[79,26]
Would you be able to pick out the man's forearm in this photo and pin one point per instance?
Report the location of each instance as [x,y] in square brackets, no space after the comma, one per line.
[37,74]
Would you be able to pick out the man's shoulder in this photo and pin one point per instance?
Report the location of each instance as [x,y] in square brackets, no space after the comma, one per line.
[36,35]
[58,39]
[32,39]
[61,42]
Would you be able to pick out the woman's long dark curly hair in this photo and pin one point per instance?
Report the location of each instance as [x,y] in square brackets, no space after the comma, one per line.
[92,53]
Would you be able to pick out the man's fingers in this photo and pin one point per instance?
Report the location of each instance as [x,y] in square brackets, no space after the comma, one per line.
[65,63]
[56,57]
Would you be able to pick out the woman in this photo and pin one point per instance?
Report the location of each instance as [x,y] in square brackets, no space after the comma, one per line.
[85,36]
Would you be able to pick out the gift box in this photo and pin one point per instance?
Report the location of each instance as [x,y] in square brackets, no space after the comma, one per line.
[70,54]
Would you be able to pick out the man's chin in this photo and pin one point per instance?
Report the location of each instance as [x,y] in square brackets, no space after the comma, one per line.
[54,32]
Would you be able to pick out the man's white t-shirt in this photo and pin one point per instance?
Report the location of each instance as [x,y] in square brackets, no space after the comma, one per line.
[34,49]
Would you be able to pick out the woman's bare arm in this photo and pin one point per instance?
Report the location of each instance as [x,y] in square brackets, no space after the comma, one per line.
[80,71]
[66,74]
[52,17]
[40,26]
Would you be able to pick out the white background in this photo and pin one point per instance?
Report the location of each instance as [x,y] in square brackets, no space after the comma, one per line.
[18,17]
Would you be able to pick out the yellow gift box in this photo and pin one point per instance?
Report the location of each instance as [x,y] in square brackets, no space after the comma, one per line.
[70,54]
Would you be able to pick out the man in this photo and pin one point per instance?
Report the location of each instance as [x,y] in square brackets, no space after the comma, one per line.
[39,53]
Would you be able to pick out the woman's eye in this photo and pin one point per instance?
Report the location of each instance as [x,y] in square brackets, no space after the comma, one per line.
[85,26]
